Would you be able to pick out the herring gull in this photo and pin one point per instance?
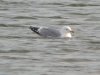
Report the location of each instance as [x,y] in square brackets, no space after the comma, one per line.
[65,31]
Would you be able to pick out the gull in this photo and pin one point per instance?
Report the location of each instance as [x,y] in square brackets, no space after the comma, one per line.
[64,32]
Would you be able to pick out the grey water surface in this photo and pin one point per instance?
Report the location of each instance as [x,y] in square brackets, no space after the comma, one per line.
[24,53]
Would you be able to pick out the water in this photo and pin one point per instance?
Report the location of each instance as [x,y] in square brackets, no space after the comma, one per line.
[25,53]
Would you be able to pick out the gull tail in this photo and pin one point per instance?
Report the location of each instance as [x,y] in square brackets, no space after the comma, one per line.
[35,29]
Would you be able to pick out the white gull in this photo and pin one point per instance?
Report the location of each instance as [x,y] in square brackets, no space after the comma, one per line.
[63,32]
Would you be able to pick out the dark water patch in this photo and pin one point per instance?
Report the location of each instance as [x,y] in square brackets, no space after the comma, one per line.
[19,58]
[15,51]
[40,17]
[17,37]
[76,60]
[3,25]
[19,51]
[26,37]
[56,17]
[1,0]
[12,57]
[16,2]
[12,2]
[73,24]
[81,5]
[80,13]
[24,17]
[52,4]
[65,66]
[4,9]
[94,42]
[70,50]
[52,17]
[12,25]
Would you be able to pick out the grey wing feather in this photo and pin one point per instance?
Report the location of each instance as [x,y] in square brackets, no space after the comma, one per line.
[46,32]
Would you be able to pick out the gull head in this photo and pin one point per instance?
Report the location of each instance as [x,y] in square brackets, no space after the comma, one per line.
[68,28]
[68,32]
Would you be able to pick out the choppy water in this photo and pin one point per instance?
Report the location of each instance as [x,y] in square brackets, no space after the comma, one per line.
[25,53]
